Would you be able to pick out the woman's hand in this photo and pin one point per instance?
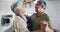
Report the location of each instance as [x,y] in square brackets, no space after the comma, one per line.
[48,29]
[45,26]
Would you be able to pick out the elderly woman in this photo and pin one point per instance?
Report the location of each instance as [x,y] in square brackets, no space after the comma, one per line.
[20,20]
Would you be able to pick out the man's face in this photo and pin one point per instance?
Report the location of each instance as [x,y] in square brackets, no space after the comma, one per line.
[39,8]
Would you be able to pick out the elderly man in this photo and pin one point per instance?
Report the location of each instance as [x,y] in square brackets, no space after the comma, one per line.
[39,15]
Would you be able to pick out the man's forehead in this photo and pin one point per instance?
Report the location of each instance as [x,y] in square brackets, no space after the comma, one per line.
[37,3]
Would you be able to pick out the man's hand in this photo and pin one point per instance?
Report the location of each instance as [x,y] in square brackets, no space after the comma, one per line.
[45,26]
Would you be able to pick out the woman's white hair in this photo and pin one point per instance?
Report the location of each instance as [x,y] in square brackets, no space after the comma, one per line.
[16,6]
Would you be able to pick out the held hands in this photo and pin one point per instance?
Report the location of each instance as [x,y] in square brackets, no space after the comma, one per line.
[45,26]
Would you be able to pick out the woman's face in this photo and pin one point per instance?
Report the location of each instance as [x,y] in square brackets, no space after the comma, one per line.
[21,11]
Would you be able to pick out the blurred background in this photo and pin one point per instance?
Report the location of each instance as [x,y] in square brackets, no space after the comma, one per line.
[53,10]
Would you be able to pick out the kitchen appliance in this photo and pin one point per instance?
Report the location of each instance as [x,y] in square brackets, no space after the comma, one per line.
[6,19]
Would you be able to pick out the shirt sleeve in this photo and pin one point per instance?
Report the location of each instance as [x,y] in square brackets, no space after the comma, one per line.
[49,22]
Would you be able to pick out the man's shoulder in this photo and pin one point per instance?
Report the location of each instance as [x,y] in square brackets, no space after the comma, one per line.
[33,14]
[44,14]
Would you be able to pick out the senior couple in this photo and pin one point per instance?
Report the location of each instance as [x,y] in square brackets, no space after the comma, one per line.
[39,21]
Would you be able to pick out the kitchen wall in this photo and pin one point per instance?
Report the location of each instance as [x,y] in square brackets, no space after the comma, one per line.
[5,8]
[53,10]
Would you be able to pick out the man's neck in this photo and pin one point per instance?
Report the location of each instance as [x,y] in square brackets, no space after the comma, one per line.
[38,14]
[43,30]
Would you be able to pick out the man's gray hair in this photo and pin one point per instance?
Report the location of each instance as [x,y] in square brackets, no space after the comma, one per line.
[15,6]
[42,2]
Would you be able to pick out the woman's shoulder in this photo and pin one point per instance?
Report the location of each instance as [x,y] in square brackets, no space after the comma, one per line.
[18,18]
